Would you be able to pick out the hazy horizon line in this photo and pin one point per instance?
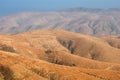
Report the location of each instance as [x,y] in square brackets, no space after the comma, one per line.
[55,10]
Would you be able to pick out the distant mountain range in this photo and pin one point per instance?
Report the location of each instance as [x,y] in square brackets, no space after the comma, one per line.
[97,22]
[91,9]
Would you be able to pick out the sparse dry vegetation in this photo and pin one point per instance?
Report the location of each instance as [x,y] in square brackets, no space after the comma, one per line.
[6,73]
[41,72]
[56,56]
[7,48]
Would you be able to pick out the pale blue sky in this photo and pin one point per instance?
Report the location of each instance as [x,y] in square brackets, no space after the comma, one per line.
[12,6]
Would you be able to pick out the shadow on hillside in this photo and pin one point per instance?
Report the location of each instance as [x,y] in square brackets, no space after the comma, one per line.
[6,73]
[6,48]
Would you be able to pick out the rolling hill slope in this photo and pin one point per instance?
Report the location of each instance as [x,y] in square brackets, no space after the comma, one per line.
[16,67]
[57,55]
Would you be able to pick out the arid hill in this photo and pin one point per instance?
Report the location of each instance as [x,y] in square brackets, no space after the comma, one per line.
[58,55]
[95,22]
[17,67]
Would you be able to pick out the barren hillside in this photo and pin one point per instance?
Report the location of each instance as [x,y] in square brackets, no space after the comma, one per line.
[58,55]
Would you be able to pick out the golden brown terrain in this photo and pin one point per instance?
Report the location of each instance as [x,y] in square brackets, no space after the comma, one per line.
[58,55]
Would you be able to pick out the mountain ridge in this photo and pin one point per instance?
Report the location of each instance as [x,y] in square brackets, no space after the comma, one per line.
[99,23]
